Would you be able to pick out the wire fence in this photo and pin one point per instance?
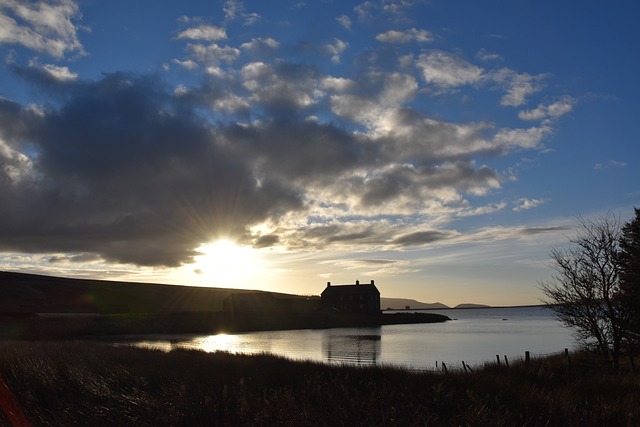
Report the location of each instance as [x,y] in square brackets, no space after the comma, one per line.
[565,358]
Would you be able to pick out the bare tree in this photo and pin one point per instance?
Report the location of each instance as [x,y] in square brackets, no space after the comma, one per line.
[585,291]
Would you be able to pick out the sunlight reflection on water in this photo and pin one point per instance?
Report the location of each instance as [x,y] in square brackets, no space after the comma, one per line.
[476,337]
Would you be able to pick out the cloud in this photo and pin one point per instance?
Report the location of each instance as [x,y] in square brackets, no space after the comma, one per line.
[120,174]
[385,11]
[371,97]
[522,138]
[60,73]
[205,32]
[406,36]
[610,164]
[549,112]
[487,56]
[260,46]
[447,71]
[234,9]
[524,204]
[336,49]
[532,231]
[44,26]
[212,54]
[129,171]
[274,153]
[283,88]
[345,21]
[421,238]
[518,86]
[188,64]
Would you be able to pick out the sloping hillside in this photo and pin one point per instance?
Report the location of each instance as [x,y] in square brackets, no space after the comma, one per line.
[30,293]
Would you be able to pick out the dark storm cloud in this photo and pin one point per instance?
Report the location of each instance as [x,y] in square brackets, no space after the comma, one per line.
[124,170]
[300,151]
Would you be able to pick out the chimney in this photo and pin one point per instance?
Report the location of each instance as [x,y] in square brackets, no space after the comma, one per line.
[372,282]
[357,282]
[328,284]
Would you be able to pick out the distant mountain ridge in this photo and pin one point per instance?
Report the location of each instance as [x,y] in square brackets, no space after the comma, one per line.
[403,303]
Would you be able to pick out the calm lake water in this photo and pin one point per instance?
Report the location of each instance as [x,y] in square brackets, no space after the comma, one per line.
[474,336]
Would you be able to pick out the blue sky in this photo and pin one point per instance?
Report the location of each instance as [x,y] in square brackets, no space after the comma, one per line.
[437,147]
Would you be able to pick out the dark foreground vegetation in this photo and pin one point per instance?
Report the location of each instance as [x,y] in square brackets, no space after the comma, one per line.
[87,383]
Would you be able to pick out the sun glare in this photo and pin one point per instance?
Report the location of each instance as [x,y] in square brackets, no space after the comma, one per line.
[226,263]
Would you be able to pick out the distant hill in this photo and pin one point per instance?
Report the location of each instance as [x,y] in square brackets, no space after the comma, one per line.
[31,293]
[402,303]
[469,305]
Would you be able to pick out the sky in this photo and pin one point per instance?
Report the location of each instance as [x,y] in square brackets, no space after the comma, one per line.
[438,147]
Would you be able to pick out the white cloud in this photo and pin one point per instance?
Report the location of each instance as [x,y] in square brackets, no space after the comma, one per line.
[260,44]
[40,26]
[518,86]
[486,56]
[524,204]
[206,32]
[447,71]
[549,112]
[234,9]
[523,138]
[406,36]
[610,164]
[188,64]
[336,49]
[60,73]
[345,21]
[251,18]
[213,54]
[338,84]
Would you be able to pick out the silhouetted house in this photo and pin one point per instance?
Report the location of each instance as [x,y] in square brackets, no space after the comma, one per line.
[364,299]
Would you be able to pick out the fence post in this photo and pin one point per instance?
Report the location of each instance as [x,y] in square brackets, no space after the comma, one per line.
[464,366]
[444,367]
[566,355]
[506,362]
[498,359]
[527,358]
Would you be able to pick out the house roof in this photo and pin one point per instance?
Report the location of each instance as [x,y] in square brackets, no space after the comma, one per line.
[368,288]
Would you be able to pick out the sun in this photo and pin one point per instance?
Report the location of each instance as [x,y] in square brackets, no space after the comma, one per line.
[227,263]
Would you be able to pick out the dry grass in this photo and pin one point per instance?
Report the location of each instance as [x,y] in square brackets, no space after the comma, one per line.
[85,383]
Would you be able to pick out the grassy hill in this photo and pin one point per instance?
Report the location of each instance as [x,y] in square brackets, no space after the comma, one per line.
[30,293]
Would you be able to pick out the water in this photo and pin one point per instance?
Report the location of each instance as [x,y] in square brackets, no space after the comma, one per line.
[475,336]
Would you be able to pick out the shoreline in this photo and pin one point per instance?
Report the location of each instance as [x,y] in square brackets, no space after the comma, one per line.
[71,326]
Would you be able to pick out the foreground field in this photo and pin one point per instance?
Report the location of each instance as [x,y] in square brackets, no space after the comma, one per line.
[84,383]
